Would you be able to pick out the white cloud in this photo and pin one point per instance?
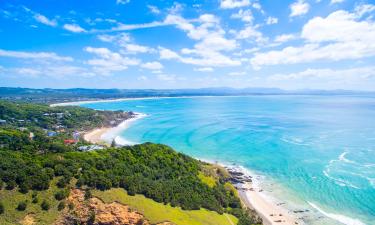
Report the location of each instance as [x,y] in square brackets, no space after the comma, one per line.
[285,38]
[204,69]
[203,58]
[298,8]
[42,19]
[152,65]
[244,15]
[122,2]
[74,28]
[363,9]
[211,42]
[230,4]
[166,77]
[242,73]
[49,70]
[352,78]
[336,1]
[143,78]
[153,9]
[134,49]
[108,61]
[34,55]
[272,20]
[251,34]
[337,37]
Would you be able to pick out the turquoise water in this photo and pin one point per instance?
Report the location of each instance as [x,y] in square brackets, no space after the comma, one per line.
[310,149]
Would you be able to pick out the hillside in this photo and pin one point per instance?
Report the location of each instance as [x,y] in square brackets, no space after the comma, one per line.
[39,173]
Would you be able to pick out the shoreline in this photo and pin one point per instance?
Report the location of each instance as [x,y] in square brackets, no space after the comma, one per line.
[249,192]
[105,135]
[252,196]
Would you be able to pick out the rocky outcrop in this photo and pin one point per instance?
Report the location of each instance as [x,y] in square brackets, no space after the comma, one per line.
[94,211]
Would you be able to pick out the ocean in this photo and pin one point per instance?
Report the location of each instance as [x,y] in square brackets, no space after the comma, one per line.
[312,153]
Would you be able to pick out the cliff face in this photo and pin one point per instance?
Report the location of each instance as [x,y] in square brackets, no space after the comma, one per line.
[94,211]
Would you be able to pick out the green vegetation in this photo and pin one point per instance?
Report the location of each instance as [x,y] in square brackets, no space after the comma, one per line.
[35,167]
[159,212]
[10,200]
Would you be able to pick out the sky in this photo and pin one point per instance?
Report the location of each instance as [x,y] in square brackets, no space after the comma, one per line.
[297,44]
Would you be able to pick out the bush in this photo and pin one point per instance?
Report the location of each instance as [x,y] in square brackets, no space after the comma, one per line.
[61,206]
[60,195]
[88,194]
[11,185]
[21,206]
[35,200]
[1,208]
[45,205]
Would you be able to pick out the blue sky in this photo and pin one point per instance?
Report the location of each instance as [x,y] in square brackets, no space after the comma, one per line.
[298,44]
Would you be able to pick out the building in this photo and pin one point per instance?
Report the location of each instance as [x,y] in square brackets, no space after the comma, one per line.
[3,122]
[70,141]
[87,148]
[51,133]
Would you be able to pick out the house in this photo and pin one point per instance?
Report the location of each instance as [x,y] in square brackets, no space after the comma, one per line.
[3,122]
[31,136]
[87,148]
[76,135]
[51,133]
[70,141]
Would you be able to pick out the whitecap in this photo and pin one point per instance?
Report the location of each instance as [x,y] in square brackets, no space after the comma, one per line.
[338,217]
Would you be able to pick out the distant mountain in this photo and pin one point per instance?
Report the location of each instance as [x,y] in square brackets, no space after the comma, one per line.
[49,95]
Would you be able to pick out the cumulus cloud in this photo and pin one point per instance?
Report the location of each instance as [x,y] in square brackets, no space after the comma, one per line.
[299,8]
[211,42]
[122,2]
[244,15]
[285,38]
[338,36]
[34,55]
[75,28]
[351,78]
[152,65]
[204,69]
[44,20]
[336,1]
[153,9]
[230,4]
[107,61]
[271,20]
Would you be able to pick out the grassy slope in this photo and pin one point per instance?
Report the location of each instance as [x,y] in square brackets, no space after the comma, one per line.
[158,212]
[10,199]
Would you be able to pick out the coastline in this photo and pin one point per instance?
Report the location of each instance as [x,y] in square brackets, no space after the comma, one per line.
[105,135]
[252,196]
[249,192]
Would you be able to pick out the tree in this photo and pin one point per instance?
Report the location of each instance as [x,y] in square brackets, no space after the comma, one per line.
[21,206]
[113,143]
[45,205]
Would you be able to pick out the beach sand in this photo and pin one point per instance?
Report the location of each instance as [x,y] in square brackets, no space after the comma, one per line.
[95,136]
[270,212]
[105,135]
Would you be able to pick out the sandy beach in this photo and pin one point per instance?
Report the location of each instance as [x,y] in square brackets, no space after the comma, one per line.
[270,212]
[105,135]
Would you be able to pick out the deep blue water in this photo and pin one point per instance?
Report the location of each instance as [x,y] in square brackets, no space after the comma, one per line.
[317,149]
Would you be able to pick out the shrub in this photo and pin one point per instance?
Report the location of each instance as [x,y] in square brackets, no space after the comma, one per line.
[61,206]
[45,205]
[21,206]
[35,200]
[60,195]
[1,208]
[88,194]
